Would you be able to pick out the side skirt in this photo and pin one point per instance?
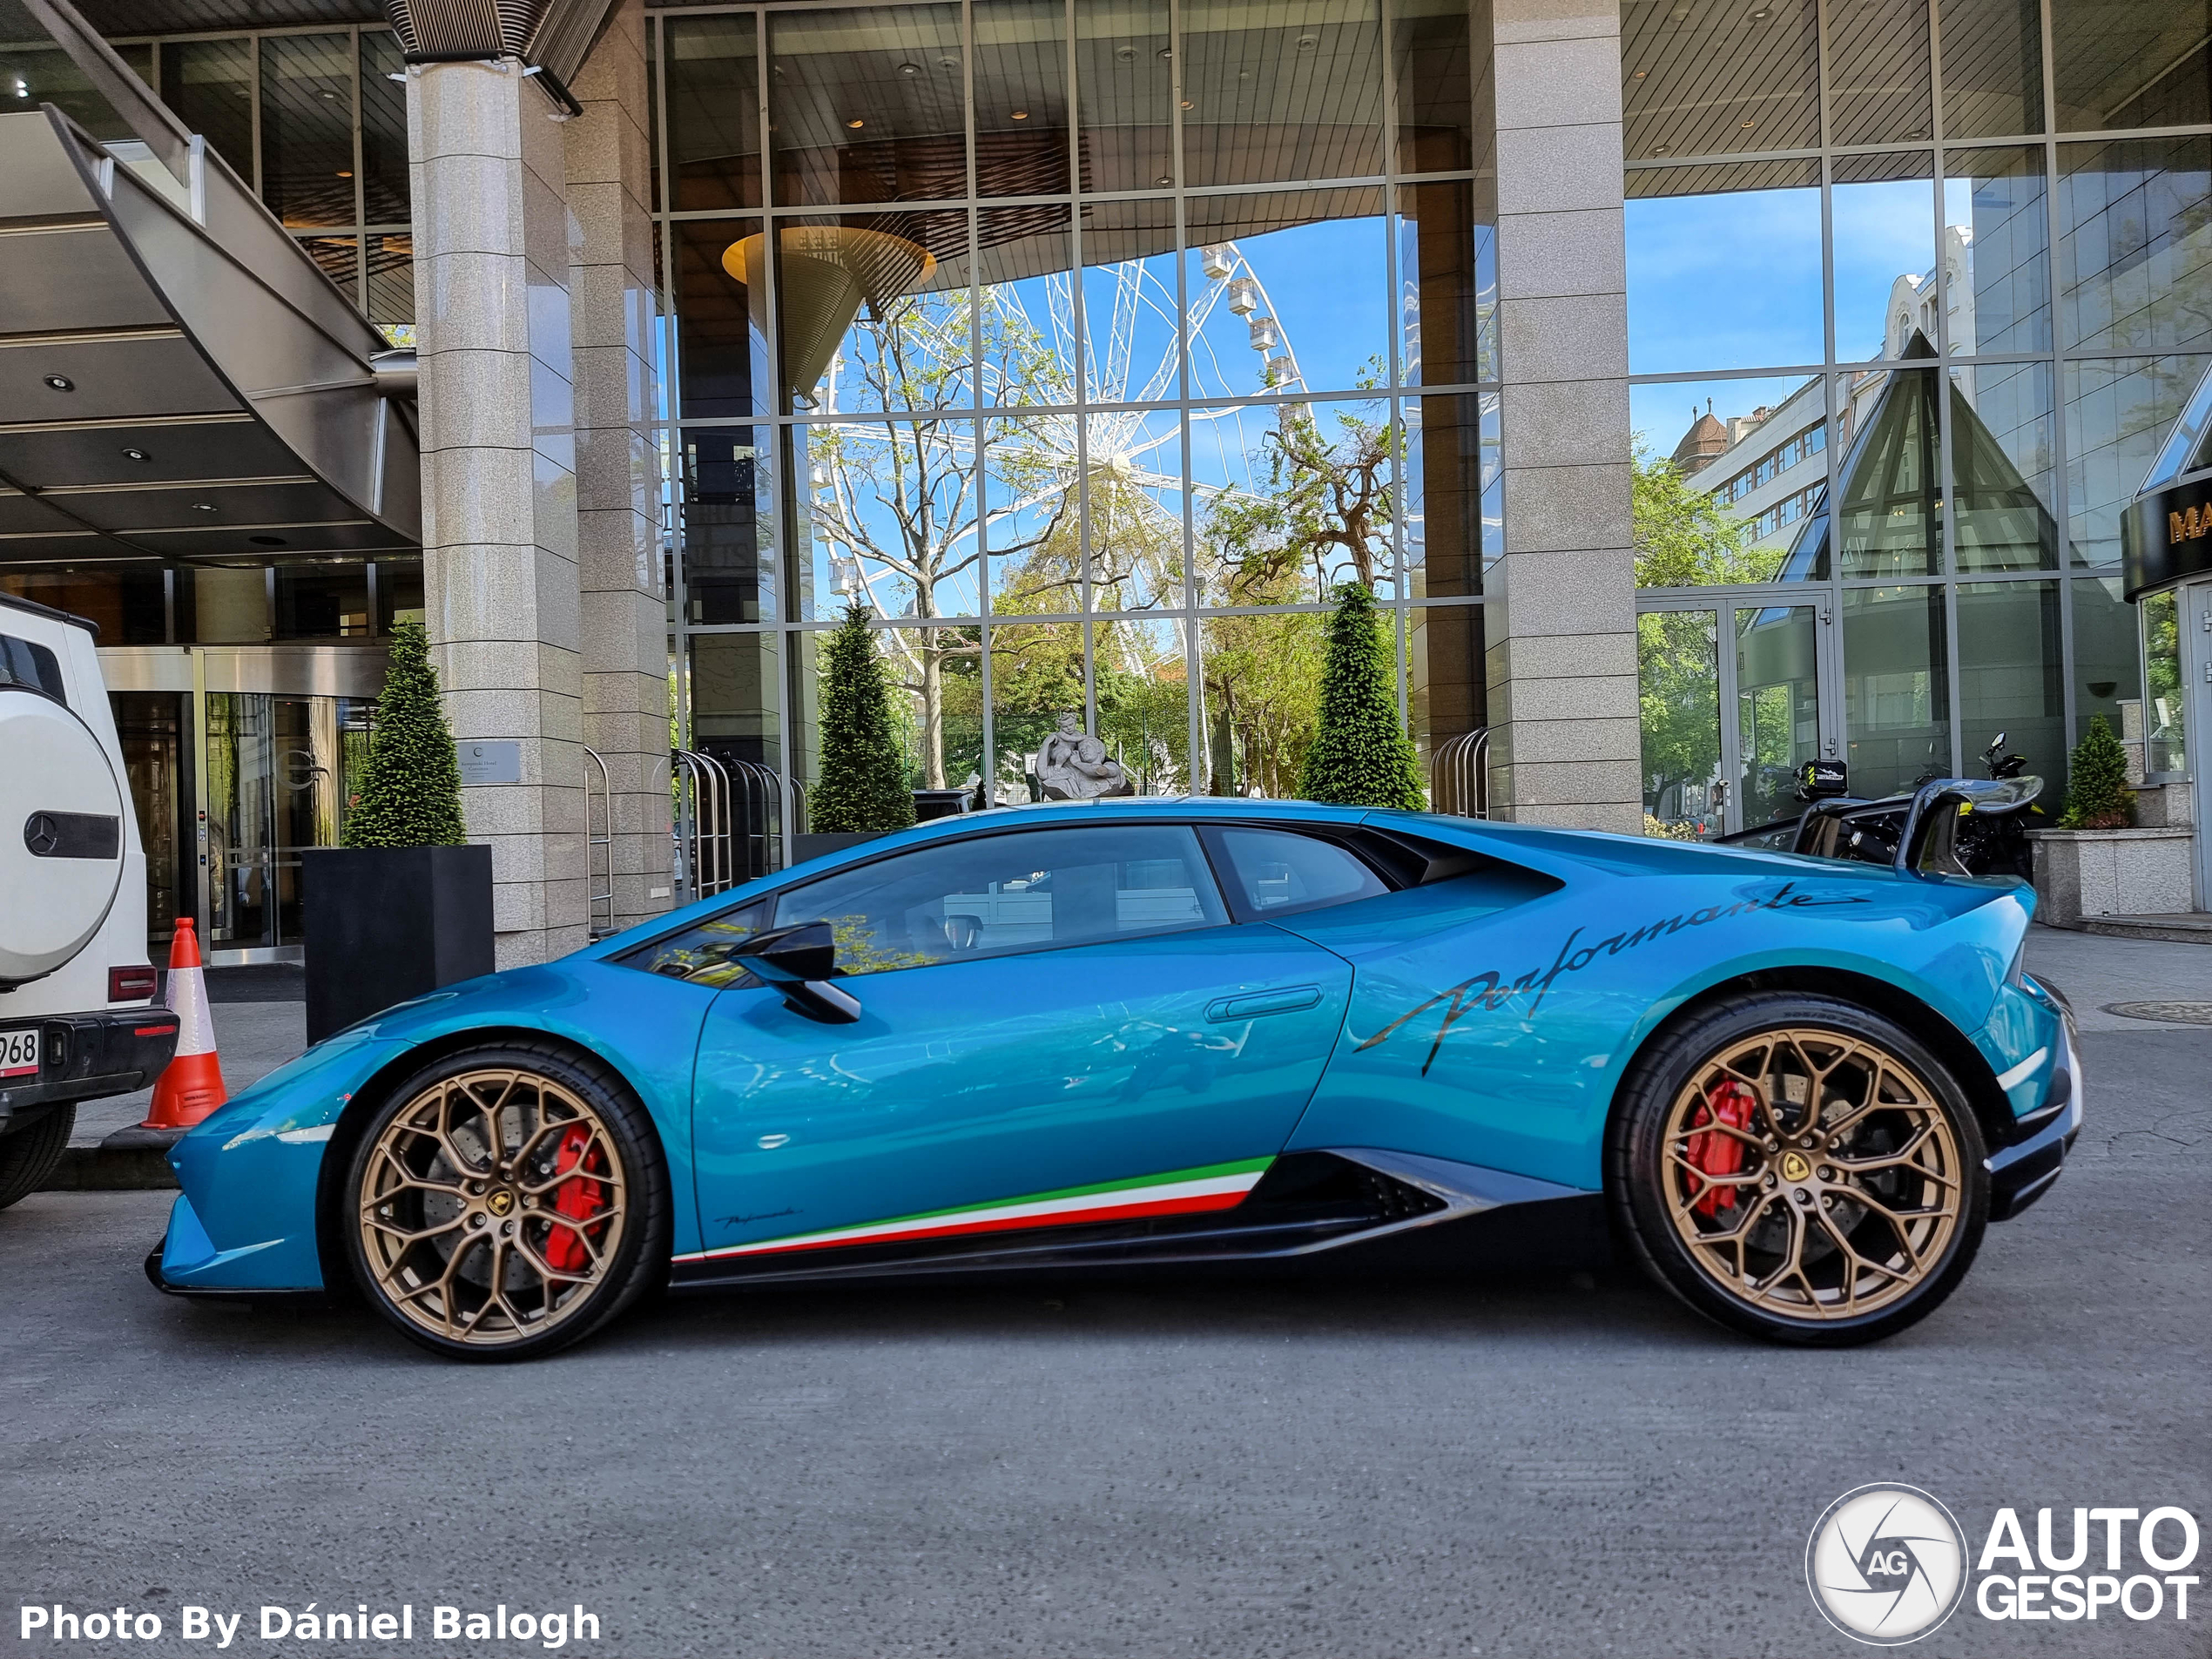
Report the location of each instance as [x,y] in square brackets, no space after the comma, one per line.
[1357,1207]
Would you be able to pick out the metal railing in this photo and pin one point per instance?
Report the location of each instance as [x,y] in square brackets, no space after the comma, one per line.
[600,847]
[1459,775]
[729,822]
[703,865]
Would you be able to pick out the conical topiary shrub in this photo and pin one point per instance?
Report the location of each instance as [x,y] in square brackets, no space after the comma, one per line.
[864,786]
[1361,755]
[2097,795]
[412,796]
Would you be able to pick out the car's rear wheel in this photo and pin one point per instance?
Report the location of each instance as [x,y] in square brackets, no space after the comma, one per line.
[34,1152]
[1799,1167]
[506,1201]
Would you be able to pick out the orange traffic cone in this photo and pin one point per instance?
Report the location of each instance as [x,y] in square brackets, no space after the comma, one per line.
[192,1084]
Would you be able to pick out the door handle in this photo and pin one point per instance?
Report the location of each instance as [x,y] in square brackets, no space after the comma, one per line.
[1253,1004]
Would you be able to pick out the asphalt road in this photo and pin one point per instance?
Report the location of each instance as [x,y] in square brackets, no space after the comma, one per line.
[1540,1465]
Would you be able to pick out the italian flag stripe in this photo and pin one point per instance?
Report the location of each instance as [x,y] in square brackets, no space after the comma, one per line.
[1215,1186]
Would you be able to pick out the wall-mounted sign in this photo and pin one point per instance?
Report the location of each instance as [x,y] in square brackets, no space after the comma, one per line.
[496,762]
[2167,535]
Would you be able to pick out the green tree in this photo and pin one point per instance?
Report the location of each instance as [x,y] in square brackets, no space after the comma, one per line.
[2097,795]
[863,787]
[901,497]
[1684,537]
[1360,754]
[412,794]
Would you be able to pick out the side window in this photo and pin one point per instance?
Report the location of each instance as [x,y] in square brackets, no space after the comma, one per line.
[990,895]
[701,953]
[1276,871]
[22,663]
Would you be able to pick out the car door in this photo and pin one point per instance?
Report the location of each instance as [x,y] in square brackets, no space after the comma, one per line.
[1042,1009]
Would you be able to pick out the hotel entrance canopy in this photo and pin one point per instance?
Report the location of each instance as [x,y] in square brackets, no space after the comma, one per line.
[178,379]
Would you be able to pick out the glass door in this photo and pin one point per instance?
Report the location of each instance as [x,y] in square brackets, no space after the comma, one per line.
[1732,704]
[151,726]
[1777,708]
[1679,700]
[241,821]
[281,772]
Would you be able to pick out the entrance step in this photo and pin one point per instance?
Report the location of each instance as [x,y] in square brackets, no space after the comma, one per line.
[2189,926]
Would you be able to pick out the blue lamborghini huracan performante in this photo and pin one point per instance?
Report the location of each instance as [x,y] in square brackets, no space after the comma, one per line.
[1176,1034]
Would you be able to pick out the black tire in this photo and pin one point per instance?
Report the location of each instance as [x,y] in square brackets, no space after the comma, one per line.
[34,1152]
[477,1212]
[1827,1231]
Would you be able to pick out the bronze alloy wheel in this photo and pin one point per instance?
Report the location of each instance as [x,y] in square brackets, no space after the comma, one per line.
[492,1207]
[1813,1175]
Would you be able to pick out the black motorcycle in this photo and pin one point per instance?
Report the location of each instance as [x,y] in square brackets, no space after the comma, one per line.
[1958,825]
[1997,843]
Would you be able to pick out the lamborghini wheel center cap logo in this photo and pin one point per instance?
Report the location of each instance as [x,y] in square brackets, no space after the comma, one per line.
[1794,1166]
[1886,1564]
[500,1201]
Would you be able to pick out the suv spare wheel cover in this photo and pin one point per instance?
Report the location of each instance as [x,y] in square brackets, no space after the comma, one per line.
[61,834]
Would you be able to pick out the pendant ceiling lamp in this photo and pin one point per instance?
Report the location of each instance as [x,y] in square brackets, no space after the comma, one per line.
[827,272]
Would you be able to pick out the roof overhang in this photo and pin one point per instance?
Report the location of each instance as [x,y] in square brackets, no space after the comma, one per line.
[177,378]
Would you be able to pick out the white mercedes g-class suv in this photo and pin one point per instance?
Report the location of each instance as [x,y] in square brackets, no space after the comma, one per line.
[76,988]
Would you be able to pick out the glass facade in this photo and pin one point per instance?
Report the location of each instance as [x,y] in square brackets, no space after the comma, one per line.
[1914,292]
[1089,346]
[312,119]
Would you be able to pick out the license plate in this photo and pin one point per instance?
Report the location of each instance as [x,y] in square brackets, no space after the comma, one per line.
[19,1053]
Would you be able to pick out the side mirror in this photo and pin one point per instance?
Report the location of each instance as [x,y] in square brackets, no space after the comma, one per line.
[798,961]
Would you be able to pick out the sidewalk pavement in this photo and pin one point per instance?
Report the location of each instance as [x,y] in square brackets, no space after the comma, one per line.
[252,1040]
[2093,972]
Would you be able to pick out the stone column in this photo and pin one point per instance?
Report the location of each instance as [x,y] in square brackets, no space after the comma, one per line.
[494,240]
[1562,655]
[624,611]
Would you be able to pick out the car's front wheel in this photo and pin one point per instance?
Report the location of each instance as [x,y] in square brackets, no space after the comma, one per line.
[506,1201]
[1799,1167]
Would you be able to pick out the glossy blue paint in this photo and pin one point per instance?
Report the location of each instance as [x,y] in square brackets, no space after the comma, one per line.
[1502,1040]
[971,1081]
[251,1170]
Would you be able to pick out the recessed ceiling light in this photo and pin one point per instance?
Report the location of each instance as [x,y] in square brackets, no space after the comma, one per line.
[1658,149]
[1124,54]
[1167,52]
[1760,15]
[949,63]
[61,383]
[1748,125]
[1020,115]
[345,173]
[1307,43]
[856,124]
[910,69]
[1188,105]
[1164,179]
[1641,73]
[136,455]
[203,507]
[328,96]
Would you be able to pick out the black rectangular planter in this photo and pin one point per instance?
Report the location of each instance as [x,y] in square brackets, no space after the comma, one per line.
[804,847]
[385,923]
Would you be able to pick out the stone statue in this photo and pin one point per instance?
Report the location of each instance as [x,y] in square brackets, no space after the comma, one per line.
[1074,766]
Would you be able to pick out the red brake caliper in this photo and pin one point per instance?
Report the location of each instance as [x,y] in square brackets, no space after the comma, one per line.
[579,1200]
[1731,1104]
